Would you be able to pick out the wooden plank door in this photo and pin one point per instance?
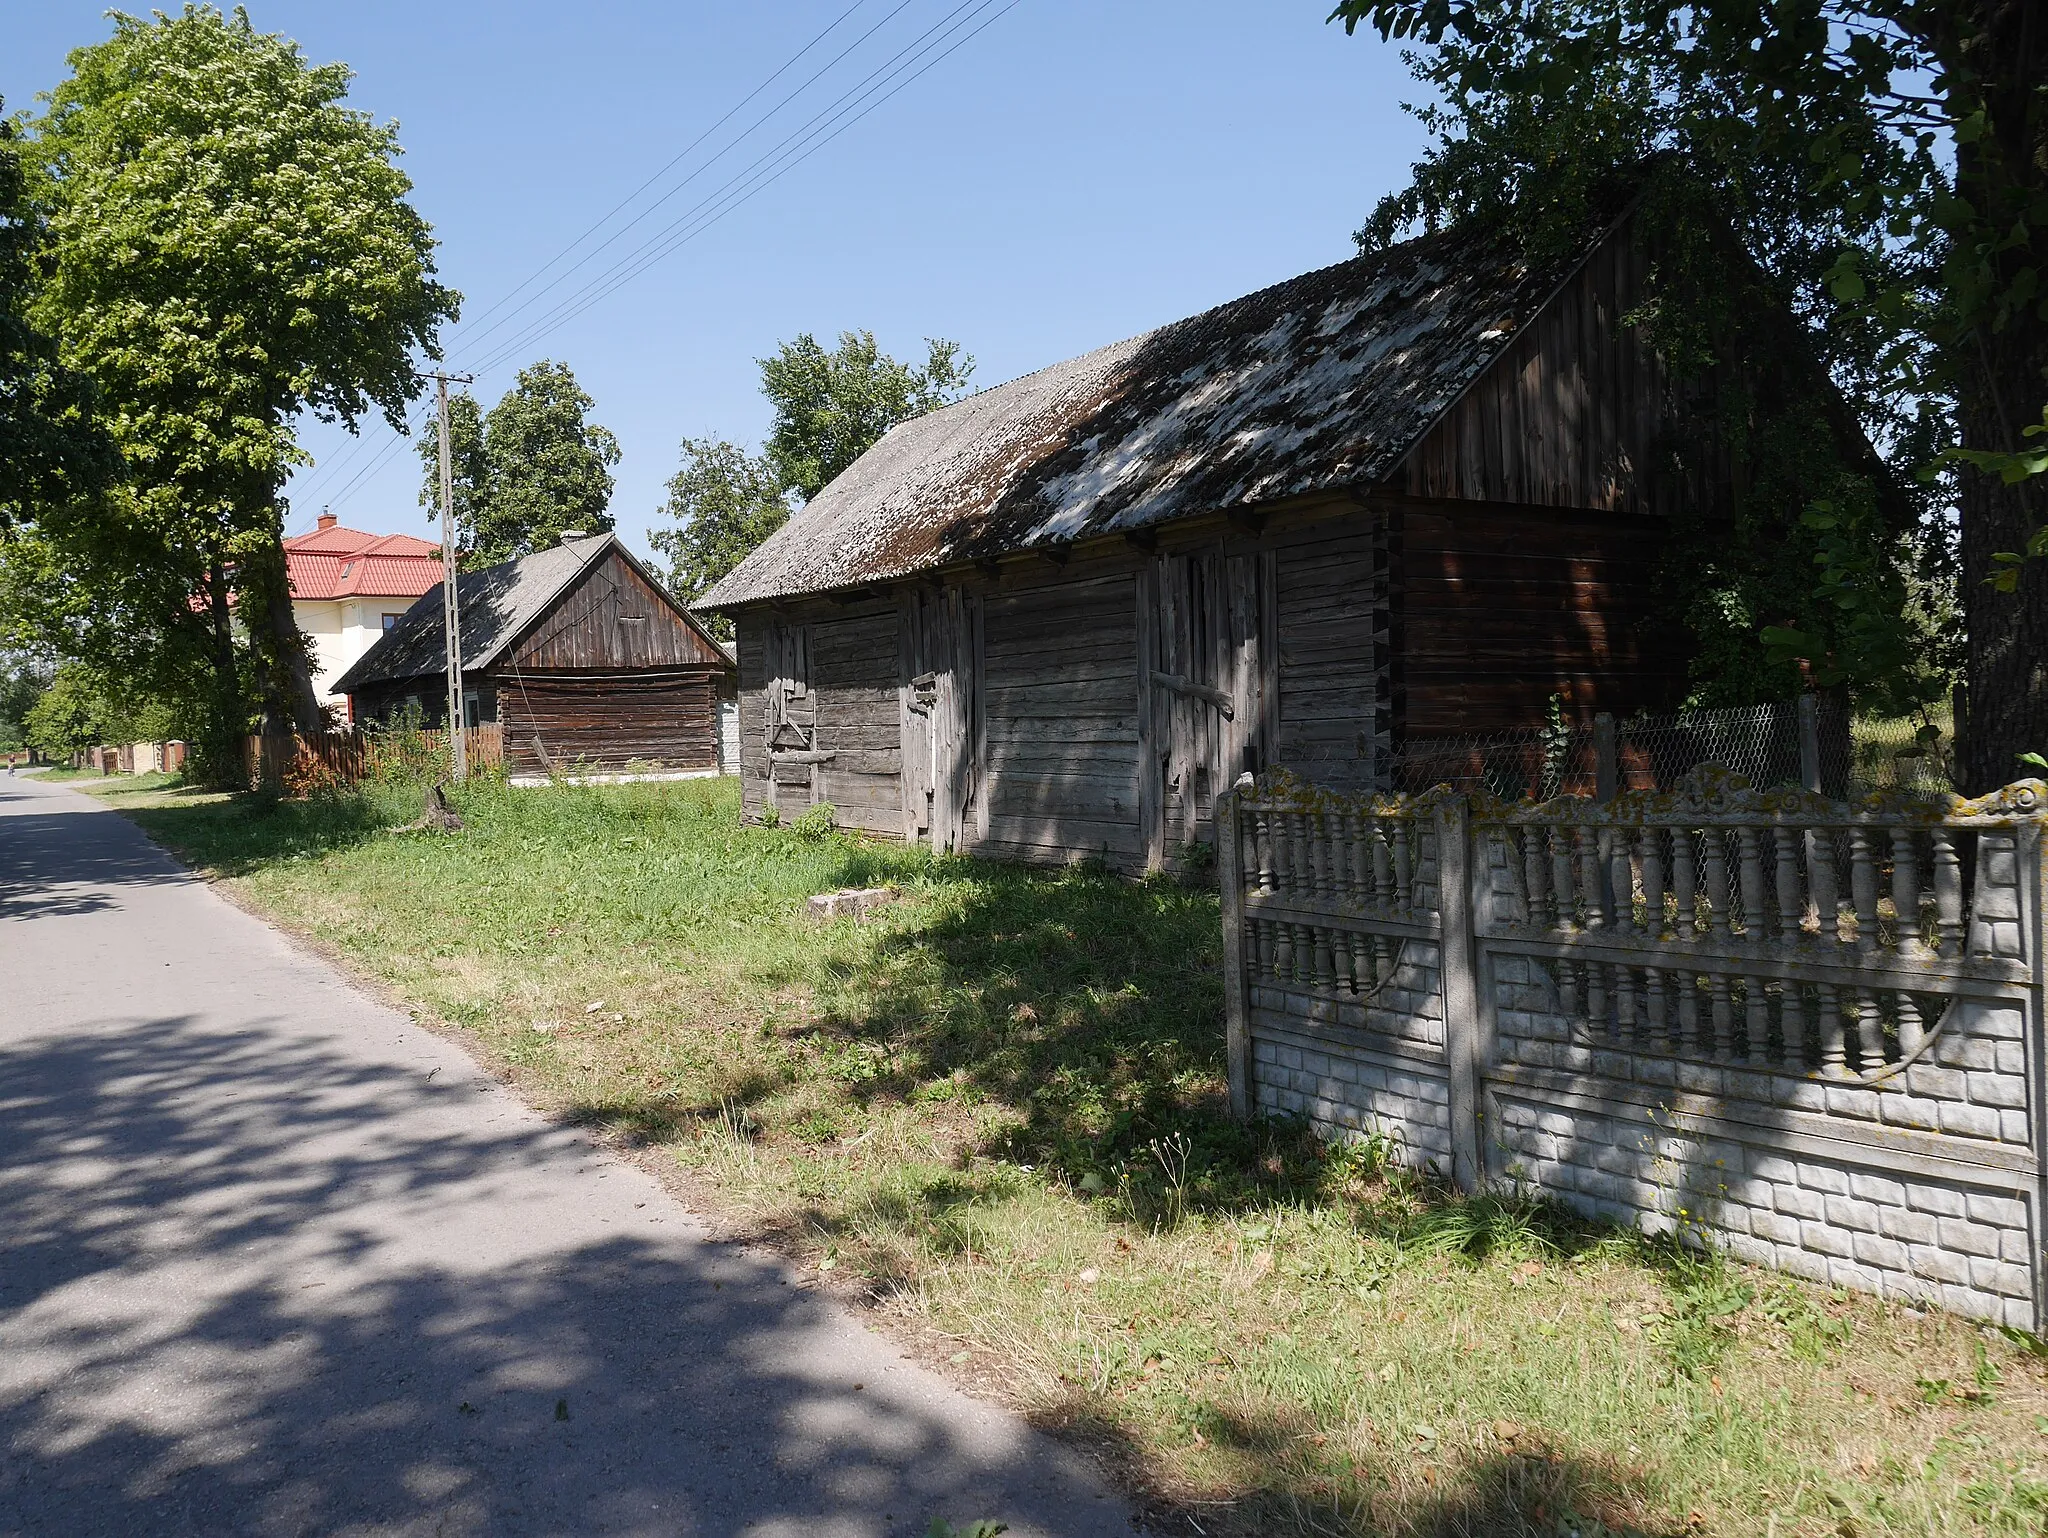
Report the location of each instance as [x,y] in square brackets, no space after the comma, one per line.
[940,716]
[1204,691]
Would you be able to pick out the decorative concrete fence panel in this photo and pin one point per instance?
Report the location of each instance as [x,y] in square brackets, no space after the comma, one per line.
[1807,1031]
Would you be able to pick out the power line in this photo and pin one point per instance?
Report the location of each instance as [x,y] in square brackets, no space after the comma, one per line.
[325,474]
[925,52]
[680,155]
[742,187]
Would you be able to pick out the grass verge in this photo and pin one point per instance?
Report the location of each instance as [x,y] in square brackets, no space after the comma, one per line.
[996,1113]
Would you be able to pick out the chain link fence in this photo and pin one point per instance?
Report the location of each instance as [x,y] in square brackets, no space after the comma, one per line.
[1785,744]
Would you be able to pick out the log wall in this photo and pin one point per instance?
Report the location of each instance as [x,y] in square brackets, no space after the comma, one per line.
[595,721]
[1096,705]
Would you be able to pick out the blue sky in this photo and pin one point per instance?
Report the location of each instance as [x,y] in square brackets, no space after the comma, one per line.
[1079,171]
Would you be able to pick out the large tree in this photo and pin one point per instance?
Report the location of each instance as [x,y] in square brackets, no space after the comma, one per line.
[1882,167]
[529,470]
[51,447]
[831,406]
[721,504]
[829,409]
[229,247]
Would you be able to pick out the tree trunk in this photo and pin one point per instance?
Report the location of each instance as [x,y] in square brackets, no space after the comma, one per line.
[2006,662]
[2001,48]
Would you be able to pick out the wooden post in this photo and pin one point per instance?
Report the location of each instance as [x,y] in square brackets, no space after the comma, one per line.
[1151,782]
[1606,772]
[1237,1036]
[1457,960]
[1809,742]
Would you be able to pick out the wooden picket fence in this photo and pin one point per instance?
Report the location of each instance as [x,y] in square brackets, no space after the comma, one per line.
[298,764]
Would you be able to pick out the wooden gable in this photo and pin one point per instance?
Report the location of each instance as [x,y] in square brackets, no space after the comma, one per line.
[1579,411]
[613,617]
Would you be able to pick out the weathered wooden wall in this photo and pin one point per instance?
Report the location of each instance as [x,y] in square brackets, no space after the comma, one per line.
[1578,412]
[612,618]
[1061,706]
[594,720]
[1502,607]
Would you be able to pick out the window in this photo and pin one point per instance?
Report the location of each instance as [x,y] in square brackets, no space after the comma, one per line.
[392,619]
[472,710]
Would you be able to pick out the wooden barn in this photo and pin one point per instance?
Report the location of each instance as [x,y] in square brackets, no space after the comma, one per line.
[1410,496]
[579,655]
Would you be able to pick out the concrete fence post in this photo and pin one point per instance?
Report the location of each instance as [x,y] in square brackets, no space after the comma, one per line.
[1458,964]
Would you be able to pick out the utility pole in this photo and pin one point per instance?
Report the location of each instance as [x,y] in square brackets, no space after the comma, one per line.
[451,607]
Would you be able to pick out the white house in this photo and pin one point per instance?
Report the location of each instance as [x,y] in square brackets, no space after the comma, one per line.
[349,587]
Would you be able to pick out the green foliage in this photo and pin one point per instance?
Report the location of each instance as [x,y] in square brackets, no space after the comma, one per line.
[723,502]
[831,407]
[1807,142]
[527,471]
[74,713]
[52,448]
[22,683]
[227,246]
[1882,167]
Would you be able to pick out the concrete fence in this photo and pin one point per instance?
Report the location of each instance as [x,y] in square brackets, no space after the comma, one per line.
[1806,1031]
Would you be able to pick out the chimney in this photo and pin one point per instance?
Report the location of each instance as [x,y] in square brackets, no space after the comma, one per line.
[327,519]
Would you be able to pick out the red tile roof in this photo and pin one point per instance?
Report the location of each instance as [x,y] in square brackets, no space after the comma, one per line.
[334,562]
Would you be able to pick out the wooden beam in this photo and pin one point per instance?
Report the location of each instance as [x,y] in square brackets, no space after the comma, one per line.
[1146,540]
[1220,698]
[1245,521]
[1058,555]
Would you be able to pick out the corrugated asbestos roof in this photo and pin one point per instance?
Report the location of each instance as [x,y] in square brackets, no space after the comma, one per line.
[1321,382]
[498,604]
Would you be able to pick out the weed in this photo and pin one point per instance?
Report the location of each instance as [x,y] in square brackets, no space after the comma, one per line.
[816,823]
[1706,1295]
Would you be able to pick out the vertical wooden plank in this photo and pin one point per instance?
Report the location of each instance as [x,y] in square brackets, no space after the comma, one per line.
[978,682]
[906,669]
[1237,1036]
[1267,669]
[1151,799]
[1458,964]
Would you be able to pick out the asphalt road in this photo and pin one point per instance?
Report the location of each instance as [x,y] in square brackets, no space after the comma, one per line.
[275,1260]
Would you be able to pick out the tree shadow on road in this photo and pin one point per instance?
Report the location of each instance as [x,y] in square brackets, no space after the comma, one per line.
[255,1282]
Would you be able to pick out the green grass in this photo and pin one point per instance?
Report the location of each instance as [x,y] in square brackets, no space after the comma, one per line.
[997,1113]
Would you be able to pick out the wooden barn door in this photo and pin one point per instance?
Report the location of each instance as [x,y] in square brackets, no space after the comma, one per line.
[790,718]
[1203,686]
[941,719]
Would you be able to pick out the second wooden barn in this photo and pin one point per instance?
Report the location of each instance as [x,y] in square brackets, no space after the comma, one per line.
[1414,495]
[579,655]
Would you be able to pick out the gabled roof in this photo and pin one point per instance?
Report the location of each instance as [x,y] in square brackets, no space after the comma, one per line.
[1322,382]
[499,605]
[338,562]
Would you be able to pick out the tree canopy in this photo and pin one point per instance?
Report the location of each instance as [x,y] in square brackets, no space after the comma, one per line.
[830,408]
[527,471]
[1877,170]
[722,503]
[51,446]
[228,246]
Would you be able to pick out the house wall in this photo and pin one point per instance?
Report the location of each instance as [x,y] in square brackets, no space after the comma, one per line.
[1579,412]
[341,630]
